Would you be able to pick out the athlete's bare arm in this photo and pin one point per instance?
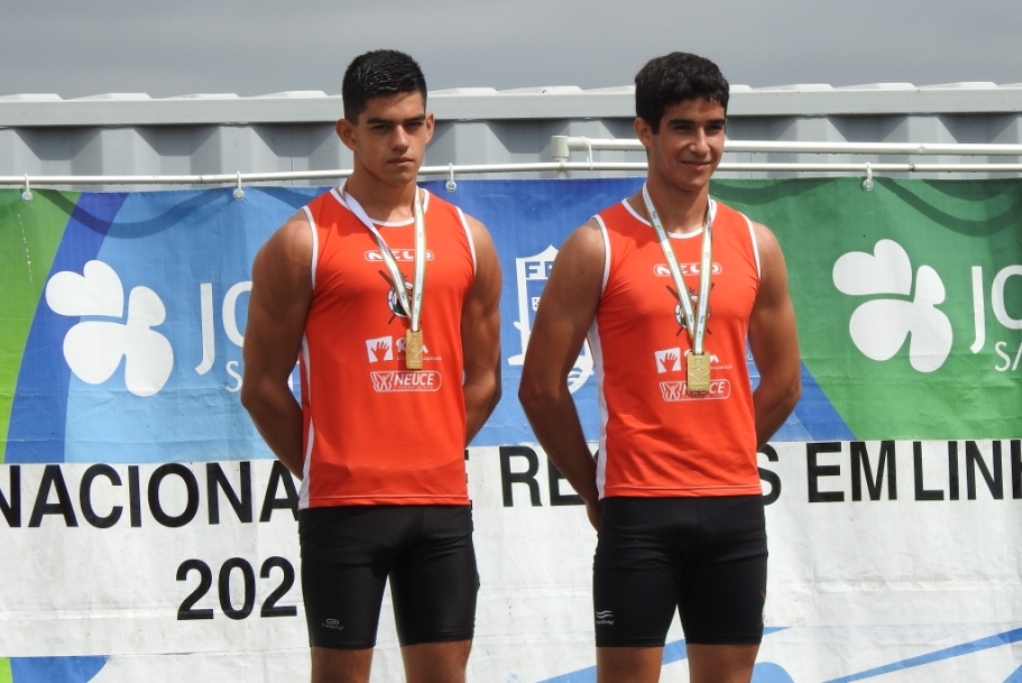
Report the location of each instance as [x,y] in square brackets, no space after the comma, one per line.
[277,306]
[566,310]
[480,333]
[773,340]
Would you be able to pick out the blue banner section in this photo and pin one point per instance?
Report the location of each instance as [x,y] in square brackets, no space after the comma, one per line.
[135,351]
[55,669]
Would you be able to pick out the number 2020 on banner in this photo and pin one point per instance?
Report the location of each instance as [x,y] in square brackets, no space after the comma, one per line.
[270,608]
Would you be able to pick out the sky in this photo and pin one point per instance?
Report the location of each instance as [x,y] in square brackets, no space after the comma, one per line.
[76,48]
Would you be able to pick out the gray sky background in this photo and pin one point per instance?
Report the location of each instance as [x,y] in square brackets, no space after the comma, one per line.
[253,47]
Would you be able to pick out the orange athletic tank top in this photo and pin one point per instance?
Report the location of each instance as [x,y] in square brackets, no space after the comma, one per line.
[375,432]
[656,439]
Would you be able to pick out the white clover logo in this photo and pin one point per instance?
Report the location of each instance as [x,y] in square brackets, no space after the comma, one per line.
[93,348]
[879,327]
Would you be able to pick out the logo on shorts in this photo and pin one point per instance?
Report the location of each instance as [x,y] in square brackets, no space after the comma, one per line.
[678,391]
[605,618]
[332,623]
[410,380]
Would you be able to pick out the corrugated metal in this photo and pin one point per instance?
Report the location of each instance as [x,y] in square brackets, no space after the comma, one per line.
[132,134]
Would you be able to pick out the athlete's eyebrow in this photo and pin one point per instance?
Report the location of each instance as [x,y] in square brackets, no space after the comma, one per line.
[376,120]
[691,122]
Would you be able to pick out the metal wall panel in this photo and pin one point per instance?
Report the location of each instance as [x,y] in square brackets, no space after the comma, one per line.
[131,134]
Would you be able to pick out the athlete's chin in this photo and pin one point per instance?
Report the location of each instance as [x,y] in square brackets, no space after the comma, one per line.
[692,183]
[401,172]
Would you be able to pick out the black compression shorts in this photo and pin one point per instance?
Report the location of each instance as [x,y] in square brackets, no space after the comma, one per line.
[349,552]
[707,557]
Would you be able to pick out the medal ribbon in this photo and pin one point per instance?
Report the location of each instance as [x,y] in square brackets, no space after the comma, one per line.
[413,307]
[695,321]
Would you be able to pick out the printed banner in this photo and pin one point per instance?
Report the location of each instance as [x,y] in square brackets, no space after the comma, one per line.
[147,532]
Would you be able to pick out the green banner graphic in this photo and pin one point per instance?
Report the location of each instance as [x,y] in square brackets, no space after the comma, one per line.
[908,297]
[30,233]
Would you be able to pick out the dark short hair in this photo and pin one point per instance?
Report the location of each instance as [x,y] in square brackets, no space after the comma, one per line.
[379,73]
[665,81]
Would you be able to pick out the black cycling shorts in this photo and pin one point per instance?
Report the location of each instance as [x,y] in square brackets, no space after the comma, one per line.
[349,552]
[707,557]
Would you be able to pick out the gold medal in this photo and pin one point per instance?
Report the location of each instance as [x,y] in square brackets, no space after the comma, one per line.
[413,350]
[698,365]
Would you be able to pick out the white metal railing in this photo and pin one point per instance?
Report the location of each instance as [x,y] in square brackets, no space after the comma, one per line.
[562,146]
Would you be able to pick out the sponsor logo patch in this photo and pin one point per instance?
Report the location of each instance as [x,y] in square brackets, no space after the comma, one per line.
[661,269]
[380,349]
[406,380]
[400,255]
[678,391]
[668,360]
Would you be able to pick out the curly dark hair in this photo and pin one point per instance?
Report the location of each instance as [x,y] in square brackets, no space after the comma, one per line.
[665,81]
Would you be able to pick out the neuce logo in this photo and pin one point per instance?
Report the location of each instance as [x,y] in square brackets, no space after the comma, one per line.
[93,348]
[879,327]
[410,380]
[720,389]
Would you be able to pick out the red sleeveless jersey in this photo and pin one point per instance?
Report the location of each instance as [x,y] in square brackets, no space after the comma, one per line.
[656,439]
[376,432]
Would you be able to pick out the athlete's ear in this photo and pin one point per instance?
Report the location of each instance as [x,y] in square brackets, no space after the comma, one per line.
[346,132]
[430,122]
[643,131]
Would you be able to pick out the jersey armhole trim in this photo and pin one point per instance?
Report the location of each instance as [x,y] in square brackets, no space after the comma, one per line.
[468,236]
[315,245]
[606,253]
[755,245]
[635,214]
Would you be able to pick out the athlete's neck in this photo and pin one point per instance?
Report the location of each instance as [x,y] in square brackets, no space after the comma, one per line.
[382,202]
[680,210]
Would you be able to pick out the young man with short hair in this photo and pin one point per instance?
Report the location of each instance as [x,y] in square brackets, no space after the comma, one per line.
[389,298]
[669,285]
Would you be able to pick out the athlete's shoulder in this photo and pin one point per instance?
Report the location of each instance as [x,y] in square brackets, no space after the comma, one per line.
[616,213]
[291,245]
[728,212]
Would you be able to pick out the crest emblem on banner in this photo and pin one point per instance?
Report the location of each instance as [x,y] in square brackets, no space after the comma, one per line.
[532,273]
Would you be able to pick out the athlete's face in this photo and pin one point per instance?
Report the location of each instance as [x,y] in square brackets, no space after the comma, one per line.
[687,148]
[389,140]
